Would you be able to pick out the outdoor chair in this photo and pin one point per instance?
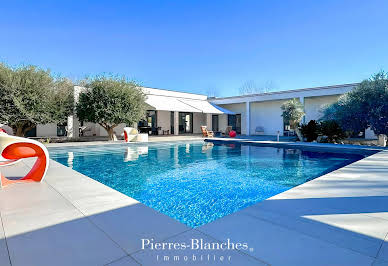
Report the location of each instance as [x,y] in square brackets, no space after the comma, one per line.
[84,129]
[289,133]
[13,149]
[227,130]
[206,133]
[259,130]
[130,134]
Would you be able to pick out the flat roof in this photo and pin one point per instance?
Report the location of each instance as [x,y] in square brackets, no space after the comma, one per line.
[287,91]
[146,87]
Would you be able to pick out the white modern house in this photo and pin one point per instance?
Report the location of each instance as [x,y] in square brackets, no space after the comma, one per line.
[168,113]
[262,111]
[175,113]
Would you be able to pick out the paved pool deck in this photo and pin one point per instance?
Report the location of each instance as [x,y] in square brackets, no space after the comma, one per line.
[340,218]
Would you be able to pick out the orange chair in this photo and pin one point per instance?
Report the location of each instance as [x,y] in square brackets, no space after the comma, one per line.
[206,133]
[14,149]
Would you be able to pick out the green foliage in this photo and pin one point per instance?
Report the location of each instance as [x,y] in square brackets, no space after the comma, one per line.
[292,113]
[378,112]
[109,101]
[366,105]
[329,130]
[30,96]
[332,131]
[310,131]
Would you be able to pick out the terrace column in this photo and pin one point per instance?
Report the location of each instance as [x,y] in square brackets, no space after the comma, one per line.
[72,127]
[248,119]
[72,121]
[301,99]
[209,121]
[176,123]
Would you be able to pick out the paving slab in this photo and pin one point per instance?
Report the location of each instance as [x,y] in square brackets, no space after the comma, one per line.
[124,219]
[383,253]
[356,232]
[380,263]
[278,245]
[76,242]
[4,256]
[40,225]
[88,195]
[128,225]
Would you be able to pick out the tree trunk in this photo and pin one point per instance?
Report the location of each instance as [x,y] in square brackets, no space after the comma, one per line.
[111,134]
[19,131]
[298,133]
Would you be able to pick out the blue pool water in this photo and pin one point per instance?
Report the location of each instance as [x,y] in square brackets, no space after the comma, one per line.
[198,182]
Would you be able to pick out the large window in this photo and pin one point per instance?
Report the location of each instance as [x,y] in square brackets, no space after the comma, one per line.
[215,126]
[149,125]
[172,122]
[61,129]
[185,123]
[235,122]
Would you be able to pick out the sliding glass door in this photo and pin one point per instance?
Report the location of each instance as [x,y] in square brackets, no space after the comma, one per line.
[215,123]
[185,123]
[235,122]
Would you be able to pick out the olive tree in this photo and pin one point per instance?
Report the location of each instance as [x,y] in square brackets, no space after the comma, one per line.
[364,106]
[31,95]
[293,114]
[110,101]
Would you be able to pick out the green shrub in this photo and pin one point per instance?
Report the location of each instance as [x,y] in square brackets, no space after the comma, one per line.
[332,131]
[364,106]
[310,131]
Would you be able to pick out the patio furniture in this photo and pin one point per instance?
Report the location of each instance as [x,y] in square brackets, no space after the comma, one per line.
[4,161]
[206,133]
[84,129]
[144,129]
[232,134]
[289,133]
[15,148]
[227,130]
[259,130]
[155,130]
[166,132]
[130,134]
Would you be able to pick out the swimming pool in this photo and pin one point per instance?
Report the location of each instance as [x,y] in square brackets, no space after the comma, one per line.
[198,182]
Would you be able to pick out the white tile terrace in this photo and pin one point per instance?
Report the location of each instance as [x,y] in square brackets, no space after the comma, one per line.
[340,218]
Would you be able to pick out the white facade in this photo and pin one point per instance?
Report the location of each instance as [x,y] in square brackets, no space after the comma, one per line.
[255,111]
[164,102]
[263,110]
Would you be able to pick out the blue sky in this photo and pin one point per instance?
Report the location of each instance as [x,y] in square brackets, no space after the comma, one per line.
[199,45]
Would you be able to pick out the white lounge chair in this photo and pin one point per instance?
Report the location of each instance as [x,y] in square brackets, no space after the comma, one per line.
[259,130]
[132,134]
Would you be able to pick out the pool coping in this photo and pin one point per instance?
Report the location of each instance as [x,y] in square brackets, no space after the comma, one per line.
[75,200]
[300,145]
